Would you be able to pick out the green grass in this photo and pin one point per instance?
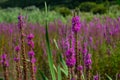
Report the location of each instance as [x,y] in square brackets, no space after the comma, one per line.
[36,15]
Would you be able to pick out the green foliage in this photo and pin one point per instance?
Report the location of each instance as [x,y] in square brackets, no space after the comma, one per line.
[49,52]
[101,9]
[63,11]
[108,77]
[87,6]
[31,8]
[118,1]
[1,78]
[42,75]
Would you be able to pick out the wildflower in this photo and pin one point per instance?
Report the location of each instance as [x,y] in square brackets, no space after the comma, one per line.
[76,24]
[96,77]
[30,36]
[31,43]
[17,48]
[70,61]
[88,61]
[31,53]
[4,60]
[16,59]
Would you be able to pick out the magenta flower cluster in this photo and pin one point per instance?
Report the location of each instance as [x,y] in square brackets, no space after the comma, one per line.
[17,49]
[70,58]
[30,41]
[96,77]
[4,60]
[76,25]
[31,53]
[21,22]
[88,61]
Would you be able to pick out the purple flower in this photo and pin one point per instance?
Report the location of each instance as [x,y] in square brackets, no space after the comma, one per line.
[17,48]
[84,51]
[80,68]
[31,53]
[16,59]
[71,61]
[70,57]
[76,24]
[35,69]
[21,22]
[88,56]
[31,43]
[4,56]
[96,77]
[4,60]
[70,53]
[33,60]
[20,17]
[30,36]
[88,61]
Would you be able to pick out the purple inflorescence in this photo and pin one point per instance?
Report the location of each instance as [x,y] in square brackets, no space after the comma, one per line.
[31,53]
[30,41]
[96,77]
[30,36]
[21,22]
[70,58]
[76,24]
[17,48]
[88,61]
[33,60]
[16,59]
[4,60]
[80,68]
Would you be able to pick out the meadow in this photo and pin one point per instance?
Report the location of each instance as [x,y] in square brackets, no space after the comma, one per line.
[44,45]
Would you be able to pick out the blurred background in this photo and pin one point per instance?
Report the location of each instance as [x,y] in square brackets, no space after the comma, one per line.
[58,9]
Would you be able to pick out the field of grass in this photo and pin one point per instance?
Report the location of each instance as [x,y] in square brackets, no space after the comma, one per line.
[35,15]
[56,41]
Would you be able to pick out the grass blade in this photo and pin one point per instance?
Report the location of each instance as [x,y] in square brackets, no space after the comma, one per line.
[59,73]
[49,52]
[42,75]
[108,77]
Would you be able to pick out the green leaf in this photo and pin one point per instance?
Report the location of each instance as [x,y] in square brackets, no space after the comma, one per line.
[59,73]
[83,77]
[49,52]
[108,77]
[42,75]
[65,68]
[56,44]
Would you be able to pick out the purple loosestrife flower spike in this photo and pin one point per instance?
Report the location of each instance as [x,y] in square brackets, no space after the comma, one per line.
[31,55]
[5,65]
[76,25]
[21,25]
[70,58]
[4,60]
[88,61]
[21,22]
